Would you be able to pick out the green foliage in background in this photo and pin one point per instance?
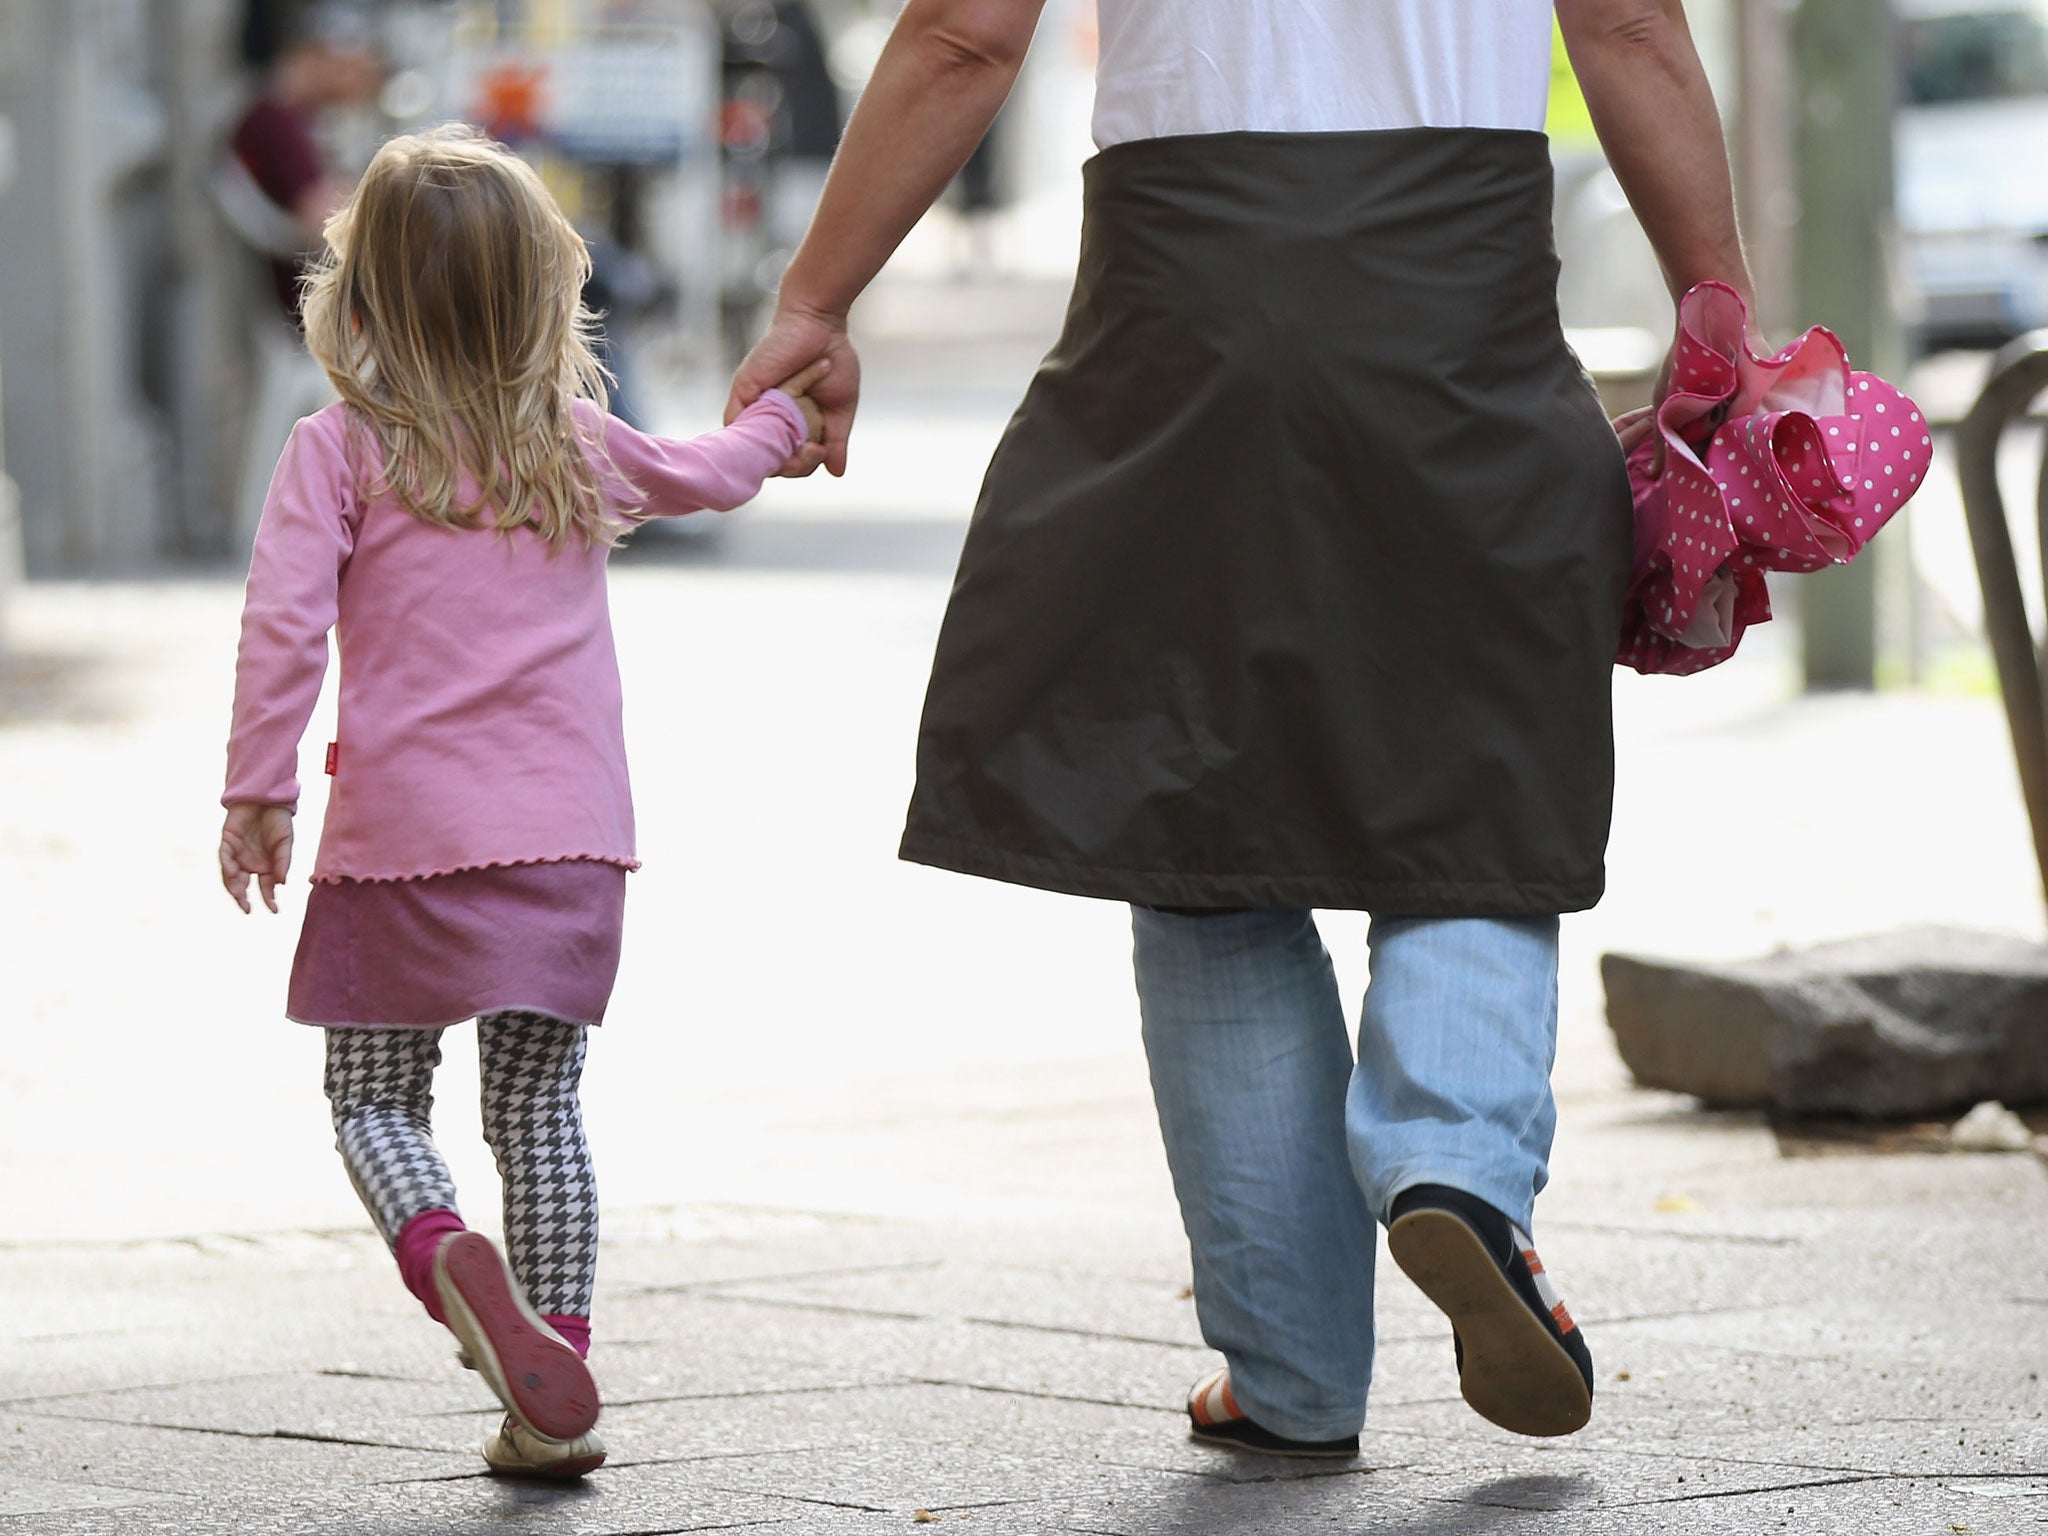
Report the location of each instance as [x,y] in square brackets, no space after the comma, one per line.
[1569,125]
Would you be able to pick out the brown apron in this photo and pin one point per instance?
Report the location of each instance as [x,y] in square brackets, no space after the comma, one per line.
[1296,578]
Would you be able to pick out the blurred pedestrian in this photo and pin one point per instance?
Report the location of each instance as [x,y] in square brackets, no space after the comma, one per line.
[623,287]
[275,188]
[449,519]
[1296,582]
[318,58]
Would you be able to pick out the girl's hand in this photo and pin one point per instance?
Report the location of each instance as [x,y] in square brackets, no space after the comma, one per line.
[798,387]
[255,840]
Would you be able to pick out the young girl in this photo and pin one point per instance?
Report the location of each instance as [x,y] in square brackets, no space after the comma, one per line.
[449,520]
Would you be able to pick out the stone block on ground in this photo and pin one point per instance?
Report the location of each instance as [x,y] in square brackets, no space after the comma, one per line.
[1920,1022]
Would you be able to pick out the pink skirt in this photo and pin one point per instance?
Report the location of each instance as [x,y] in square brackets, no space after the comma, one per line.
[539,938]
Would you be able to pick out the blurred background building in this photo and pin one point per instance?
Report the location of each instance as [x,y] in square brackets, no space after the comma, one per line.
[151,370]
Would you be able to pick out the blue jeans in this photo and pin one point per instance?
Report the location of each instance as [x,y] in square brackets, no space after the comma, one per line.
[1284,1151]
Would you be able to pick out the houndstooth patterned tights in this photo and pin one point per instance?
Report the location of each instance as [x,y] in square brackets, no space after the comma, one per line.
[380,1083]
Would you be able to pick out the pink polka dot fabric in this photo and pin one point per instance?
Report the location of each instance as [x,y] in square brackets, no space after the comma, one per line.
[1785,463]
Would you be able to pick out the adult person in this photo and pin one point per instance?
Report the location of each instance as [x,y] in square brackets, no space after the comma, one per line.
[275,180]
[1295,583]
[274,186]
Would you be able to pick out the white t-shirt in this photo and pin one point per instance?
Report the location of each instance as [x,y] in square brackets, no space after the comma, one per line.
[1319,66]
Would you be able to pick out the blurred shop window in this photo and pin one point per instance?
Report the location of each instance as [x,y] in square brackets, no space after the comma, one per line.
[618,106]
[1980,55]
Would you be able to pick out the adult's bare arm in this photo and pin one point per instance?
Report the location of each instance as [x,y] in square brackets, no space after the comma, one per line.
[1655,115]
[946,70]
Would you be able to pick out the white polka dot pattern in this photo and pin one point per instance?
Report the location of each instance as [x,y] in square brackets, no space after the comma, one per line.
[1786,463]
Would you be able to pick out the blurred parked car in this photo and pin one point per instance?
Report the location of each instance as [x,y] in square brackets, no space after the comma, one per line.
[1972,171]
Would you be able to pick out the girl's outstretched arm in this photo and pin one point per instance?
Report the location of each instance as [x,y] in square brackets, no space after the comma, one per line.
[718,471]
[302,546]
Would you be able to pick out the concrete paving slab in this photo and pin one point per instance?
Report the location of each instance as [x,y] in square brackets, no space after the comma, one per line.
[889,1346]
[24,1496]
[78,1317]
[629,1500]
[128,1458]
[685,1371]
[1551,1503]
[908,1448]
[636,1502]
[1443,1443]
[1877,1506]
[1640,1448]
[688,1246]
[347,1409]
[1358,1502]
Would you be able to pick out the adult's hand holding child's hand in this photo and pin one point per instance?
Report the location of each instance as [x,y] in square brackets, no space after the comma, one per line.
[796,339]
[255,840]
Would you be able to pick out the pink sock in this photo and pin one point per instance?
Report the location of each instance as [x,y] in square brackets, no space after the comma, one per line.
[418,1240]
[574,1330]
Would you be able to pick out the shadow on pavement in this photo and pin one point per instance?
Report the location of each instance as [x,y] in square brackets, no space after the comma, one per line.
[835,545]
[1343,1503]
[1525,1493]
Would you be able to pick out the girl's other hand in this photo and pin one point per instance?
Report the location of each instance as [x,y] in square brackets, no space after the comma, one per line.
[255,840]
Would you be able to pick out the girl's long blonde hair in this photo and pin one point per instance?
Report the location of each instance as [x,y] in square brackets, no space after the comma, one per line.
[448,311]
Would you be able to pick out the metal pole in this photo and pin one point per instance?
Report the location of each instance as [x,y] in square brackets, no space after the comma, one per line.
[1841,269]
[1767,185]
[206,385]
[2020,374]
[79,372]
[10,499]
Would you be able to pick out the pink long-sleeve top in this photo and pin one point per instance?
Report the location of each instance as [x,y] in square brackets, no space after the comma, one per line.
[480,716]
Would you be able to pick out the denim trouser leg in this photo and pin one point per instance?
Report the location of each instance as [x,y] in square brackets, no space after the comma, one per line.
[1250,1060]
[1271,1134]
[1454,1054]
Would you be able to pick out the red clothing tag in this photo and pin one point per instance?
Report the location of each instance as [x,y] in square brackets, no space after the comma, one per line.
[333,756]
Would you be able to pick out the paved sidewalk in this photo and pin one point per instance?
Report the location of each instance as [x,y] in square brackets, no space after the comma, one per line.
[1833,1345]
[888,1229]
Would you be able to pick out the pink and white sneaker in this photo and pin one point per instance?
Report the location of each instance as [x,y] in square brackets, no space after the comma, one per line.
[535,1373]
[516,1451]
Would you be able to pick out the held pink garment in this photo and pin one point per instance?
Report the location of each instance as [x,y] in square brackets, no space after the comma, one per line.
[480,719]
[1786,463]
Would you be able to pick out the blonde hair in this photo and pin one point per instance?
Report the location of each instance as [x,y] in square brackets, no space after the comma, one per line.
[448,311]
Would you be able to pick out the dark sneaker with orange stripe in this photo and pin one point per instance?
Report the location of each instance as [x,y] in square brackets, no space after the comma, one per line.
[1213,1415]
[1522,1362]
